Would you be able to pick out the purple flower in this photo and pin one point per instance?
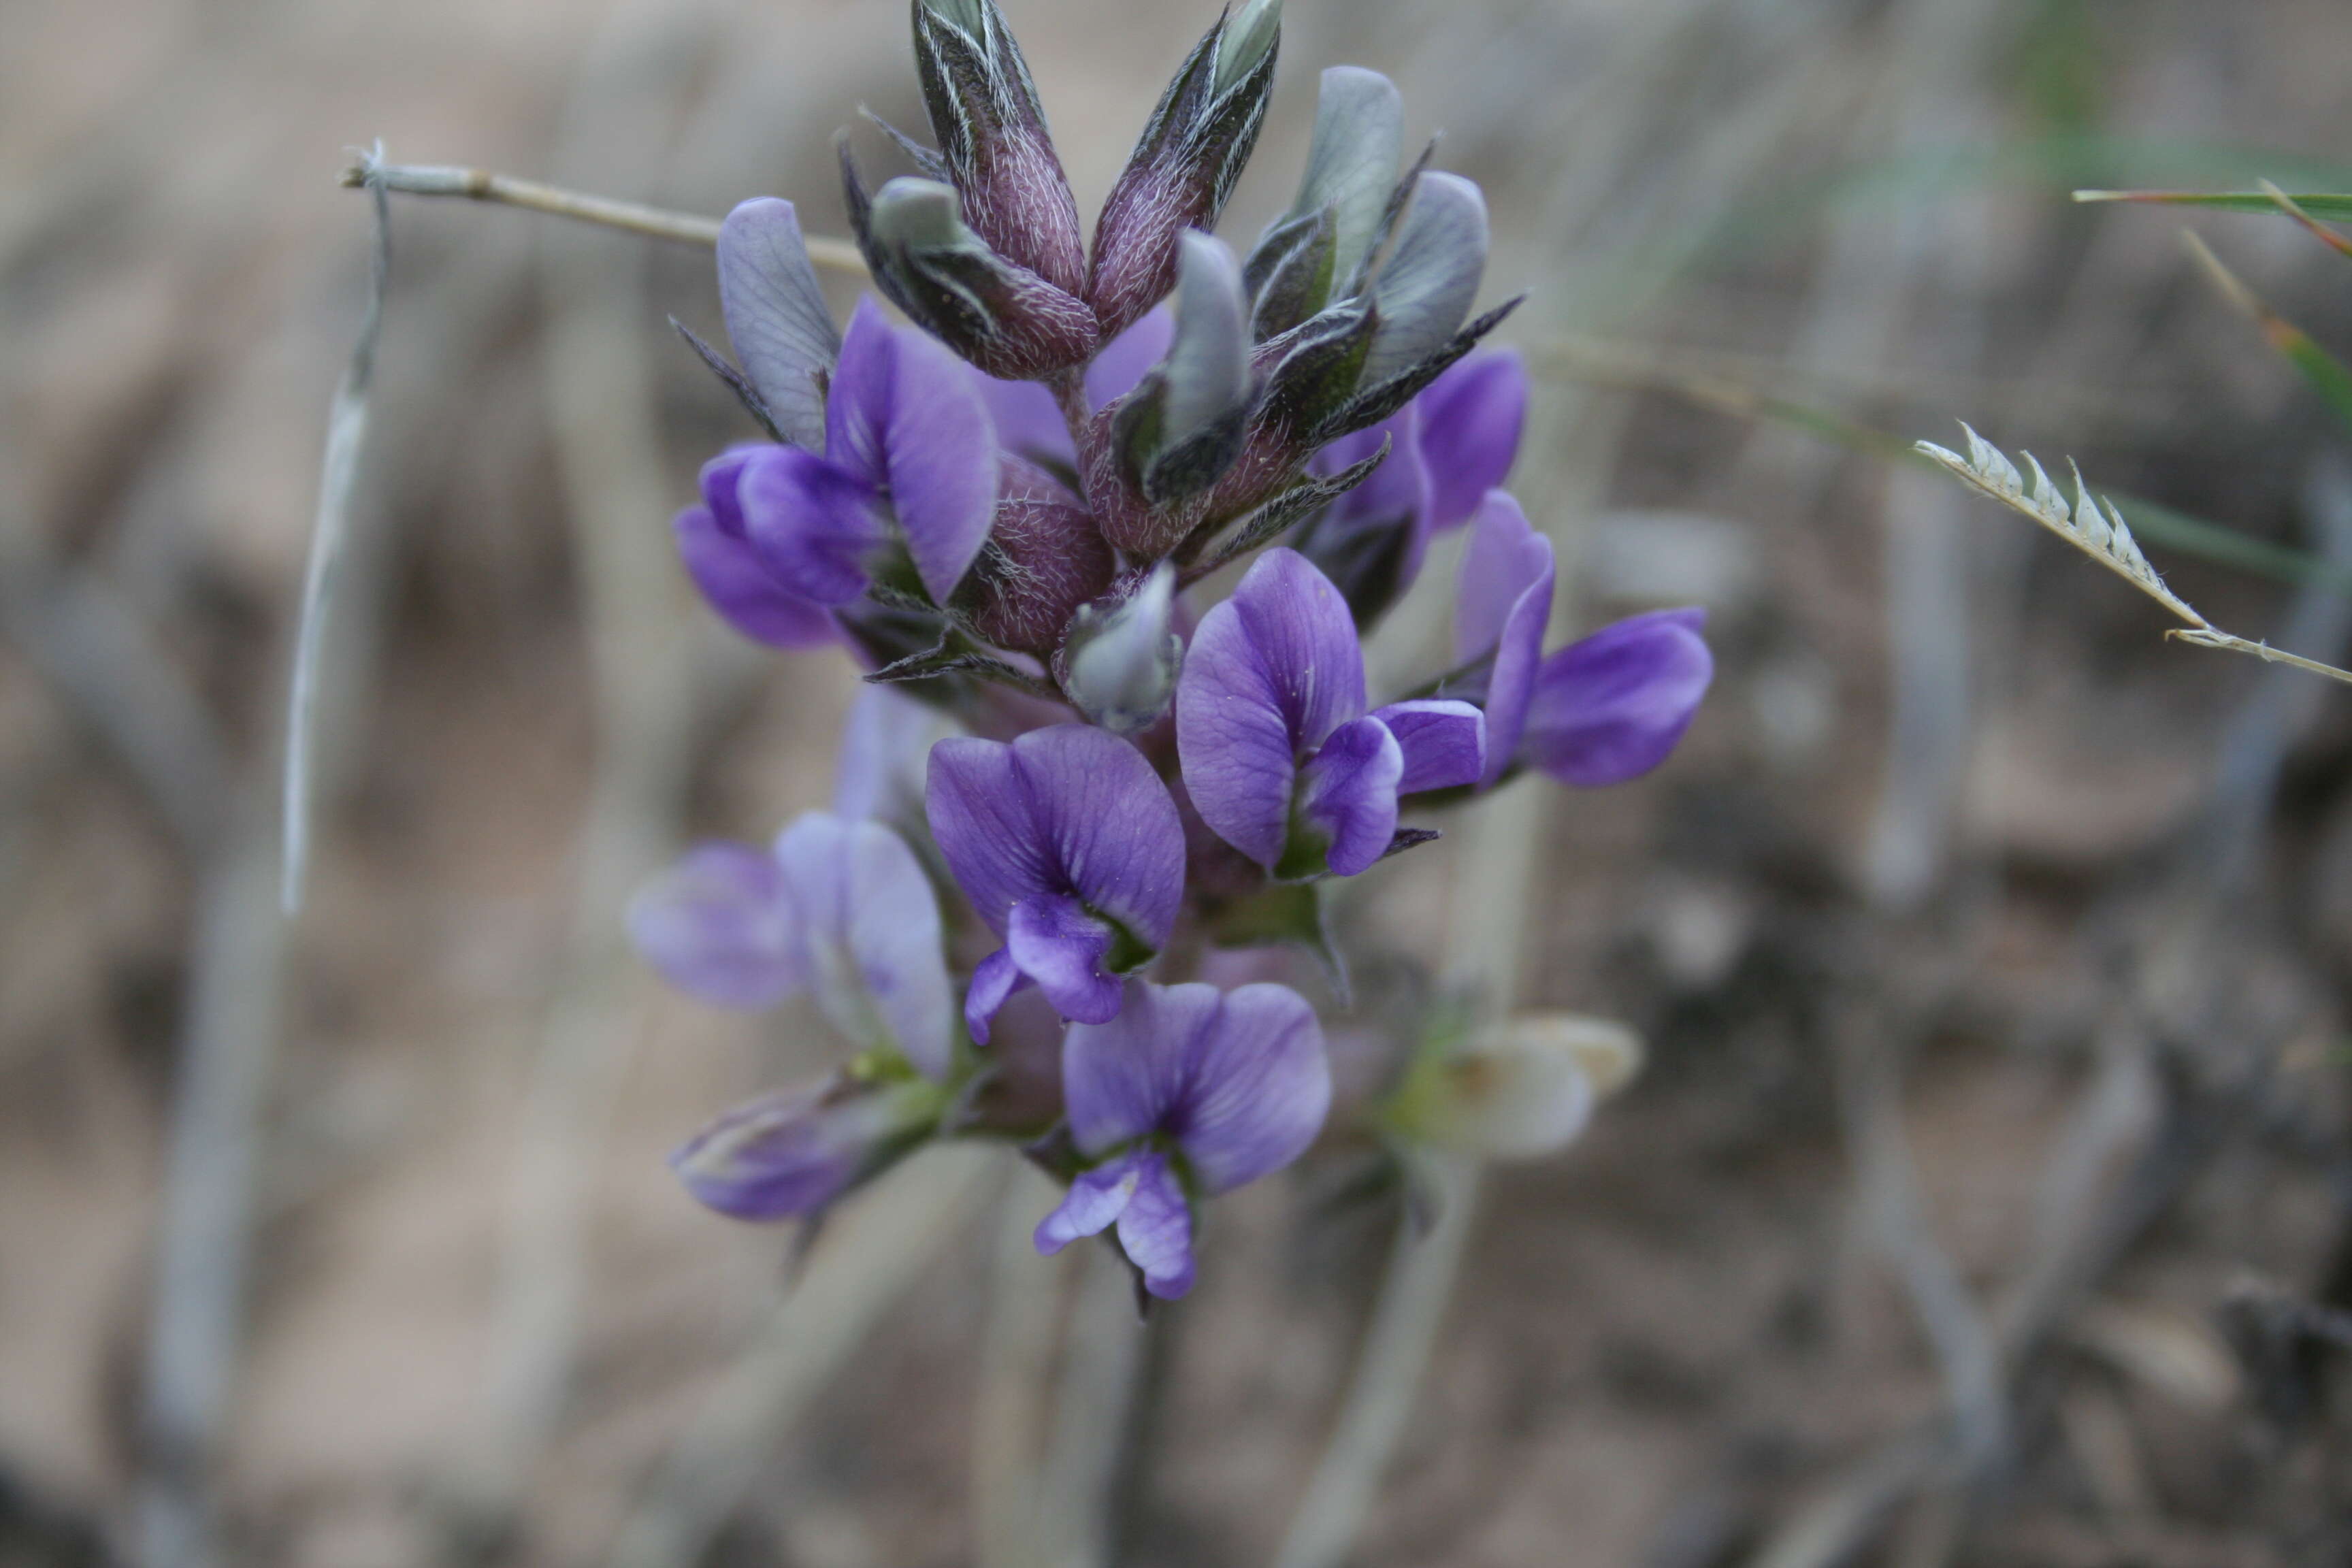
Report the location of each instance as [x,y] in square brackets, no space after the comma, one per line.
[1279,756]
[792,1153]
[732,573]
[1069,846]
[1470,420]
[1186,1090]
[1504,605]
[1447,449]
[1614,706]
[1370,542]
[1596,712]
[837,907]
[884,745]
[907,439]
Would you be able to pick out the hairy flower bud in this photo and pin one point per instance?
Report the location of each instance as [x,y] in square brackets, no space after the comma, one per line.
[1044,558]
[997,315]
[1184,167]
[1315,253]
[1423,291]
[1183,426]
[993,142]
[1120,663]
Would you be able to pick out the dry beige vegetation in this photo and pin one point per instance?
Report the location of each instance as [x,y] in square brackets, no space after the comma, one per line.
[1991,950]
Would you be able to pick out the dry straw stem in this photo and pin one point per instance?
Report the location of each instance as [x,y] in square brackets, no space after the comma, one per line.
[346,432]
[863,1264]
[481,185]
[2098,531]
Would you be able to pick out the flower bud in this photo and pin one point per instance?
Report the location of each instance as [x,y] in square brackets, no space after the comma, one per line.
[1521,1091]
[993,140]
[1315,253]
[1182,428]
[997,315]
[1184,167]
[790,1154]
[1044,558]
[1250,39]
[1120,663]
[1424,289]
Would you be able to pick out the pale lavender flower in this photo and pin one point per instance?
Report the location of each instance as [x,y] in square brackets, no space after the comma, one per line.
[792,1153]
[1279,756]
[837,907]
[1071,849]
[884,747]
[719,926]
[1187,1093]
[777,318]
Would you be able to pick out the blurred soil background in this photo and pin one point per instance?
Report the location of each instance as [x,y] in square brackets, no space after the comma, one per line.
[1988,1189]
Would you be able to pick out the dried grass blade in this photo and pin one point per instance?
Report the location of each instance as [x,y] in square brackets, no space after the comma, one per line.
[346,432]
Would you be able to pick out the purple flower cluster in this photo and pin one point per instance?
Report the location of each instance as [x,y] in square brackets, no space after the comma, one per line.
[1006,511]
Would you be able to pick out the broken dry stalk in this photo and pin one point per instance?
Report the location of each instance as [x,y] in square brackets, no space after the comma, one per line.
[634,218]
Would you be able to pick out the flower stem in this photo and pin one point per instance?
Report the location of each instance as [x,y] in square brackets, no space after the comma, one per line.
[1420,1281]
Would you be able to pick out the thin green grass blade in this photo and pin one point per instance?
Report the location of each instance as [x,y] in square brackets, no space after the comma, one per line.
[2319,204]
[2310,226]
[2322,370]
